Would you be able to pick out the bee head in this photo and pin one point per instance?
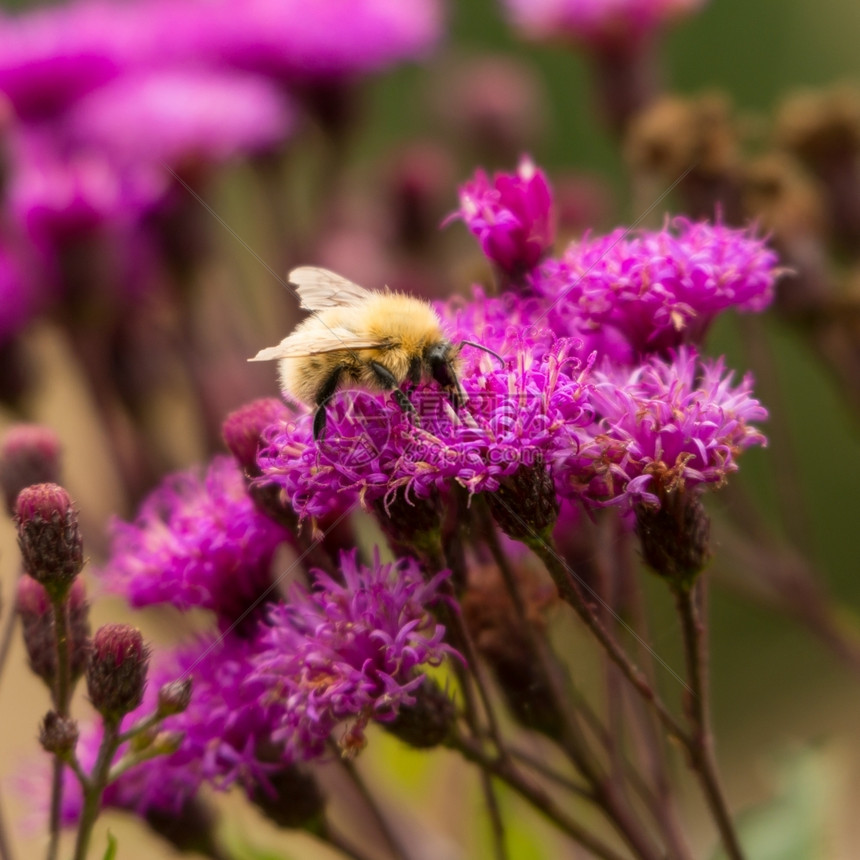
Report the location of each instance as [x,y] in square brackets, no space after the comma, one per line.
[439,360]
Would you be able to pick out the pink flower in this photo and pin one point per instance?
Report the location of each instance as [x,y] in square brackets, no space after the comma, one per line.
[511,216]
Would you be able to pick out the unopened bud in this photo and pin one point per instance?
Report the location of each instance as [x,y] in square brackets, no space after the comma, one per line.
[190,828]
[290,797]
[525,506]
[58,735]
[503,639]
[410,525]
[242,432]
[116,674]
[675,537]
[49,537]
[37,620]
[419,184]
[243,429]
[174,698]
[167,742]
[429,722]
[29,454]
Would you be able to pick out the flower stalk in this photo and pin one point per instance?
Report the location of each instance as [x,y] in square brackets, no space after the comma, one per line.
[690,602]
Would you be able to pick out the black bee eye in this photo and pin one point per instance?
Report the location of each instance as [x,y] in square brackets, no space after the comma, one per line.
[437,353]
[443,373]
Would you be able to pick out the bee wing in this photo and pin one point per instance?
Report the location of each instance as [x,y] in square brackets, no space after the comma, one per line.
[319,289]
[304,343]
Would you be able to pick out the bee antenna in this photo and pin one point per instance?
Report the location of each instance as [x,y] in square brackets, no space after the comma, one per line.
[484,348]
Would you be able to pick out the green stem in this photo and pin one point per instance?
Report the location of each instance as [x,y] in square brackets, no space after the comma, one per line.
[569,590]
[651,744]
[603,791]
[504,770]
[700,743]
[62,693]
[94,790]
[6,638]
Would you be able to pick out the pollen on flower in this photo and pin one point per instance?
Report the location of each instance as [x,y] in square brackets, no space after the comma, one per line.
[350,651]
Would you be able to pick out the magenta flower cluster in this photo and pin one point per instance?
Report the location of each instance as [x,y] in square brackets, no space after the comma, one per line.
[317,667]
[351,651]
[669,424]
[602,380]
[197,541]
[107,103]
[647,291]
[599,396]
[226,733]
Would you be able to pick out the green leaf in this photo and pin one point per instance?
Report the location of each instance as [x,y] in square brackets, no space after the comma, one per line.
[792,825]
[110,851]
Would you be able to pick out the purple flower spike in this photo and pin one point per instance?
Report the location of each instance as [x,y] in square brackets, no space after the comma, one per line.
[49,57]
[351,651]
[373,451]
[182,117]
[290,459]
[197,541]
[656,290]
[511,216]
[293,44]
[667,425]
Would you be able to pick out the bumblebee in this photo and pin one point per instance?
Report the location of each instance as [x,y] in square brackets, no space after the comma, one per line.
[358,338]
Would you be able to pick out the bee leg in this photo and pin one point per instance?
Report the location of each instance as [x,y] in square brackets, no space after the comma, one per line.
[319,422]
[402,400]
[387,379]
[325,393]
[384,376]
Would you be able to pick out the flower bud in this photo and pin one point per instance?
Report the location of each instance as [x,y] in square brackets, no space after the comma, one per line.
[58,735]
[191,828]
[419,180]
[428,722]
[525,506]
[116,674]
[243,429]
[291,798]
[29,454]
[675,537]
[78,608]
[410,526]
[37,620]
[494,103]
[167,742]
[823,129]
[174,698]
[512,217]
[49,537]
[502,640]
